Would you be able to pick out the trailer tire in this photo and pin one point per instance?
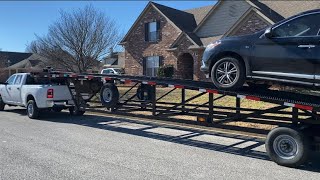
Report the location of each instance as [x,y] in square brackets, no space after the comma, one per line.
[144,93]
[2,104]
[57,109]
[33,111]
[74,111]
[109,95]
[287,146]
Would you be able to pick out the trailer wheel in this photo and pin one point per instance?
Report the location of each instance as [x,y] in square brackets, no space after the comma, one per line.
[2,104]
[57,109]
[75,111]
[287,147]
[109,95]
[144,92]
[32,109]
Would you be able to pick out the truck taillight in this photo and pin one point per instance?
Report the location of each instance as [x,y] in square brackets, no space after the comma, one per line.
[50,93]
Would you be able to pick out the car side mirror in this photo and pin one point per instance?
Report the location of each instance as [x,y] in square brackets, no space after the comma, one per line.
[268,33]
[4,83]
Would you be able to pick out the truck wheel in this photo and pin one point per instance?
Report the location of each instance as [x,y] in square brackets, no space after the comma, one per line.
[2,104]
[109,95]
[228,73]
[32,109]
[287,147]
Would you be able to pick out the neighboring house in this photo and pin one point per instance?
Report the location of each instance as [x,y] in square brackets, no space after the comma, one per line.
[114,60]
[13,62]
[163,35]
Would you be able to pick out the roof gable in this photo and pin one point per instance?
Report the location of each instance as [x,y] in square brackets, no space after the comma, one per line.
[14,57]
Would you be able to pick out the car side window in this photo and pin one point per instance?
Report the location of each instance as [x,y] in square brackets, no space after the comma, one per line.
[18,80]
[10,81]
[307,25]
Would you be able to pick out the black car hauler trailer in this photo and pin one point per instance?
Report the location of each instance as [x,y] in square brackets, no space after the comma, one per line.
[287,145]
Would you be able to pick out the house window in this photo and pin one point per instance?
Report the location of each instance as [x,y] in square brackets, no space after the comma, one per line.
[152,65]
[152,31]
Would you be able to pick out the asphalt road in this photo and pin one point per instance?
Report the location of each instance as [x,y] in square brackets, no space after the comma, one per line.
[93,147]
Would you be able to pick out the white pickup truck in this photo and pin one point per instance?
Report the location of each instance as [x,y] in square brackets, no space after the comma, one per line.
[24,90]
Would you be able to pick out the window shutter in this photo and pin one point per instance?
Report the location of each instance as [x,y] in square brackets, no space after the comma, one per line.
[146,31]
[161,61]
[158,31]
[144,65]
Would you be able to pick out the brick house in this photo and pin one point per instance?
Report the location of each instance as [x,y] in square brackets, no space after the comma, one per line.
[163,35]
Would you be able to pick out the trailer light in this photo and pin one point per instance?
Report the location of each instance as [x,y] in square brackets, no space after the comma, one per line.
[50,93]
[201,119]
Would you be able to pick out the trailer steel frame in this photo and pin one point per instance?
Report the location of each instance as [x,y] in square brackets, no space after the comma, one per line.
[147,99]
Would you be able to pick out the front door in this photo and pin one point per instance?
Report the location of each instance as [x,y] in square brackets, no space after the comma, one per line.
[291,53]
[6,92]
[15,91]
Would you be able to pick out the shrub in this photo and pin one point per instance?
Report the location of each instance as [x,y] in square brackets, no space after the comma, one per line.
[166,71]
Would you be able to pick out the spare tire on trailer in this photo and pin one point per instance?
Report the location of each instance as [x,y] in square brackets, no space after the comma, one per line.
[287,146]
[109,95]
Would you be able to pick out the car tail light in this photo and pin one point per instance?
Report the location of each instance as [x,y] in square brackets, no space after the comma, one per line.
[50,93]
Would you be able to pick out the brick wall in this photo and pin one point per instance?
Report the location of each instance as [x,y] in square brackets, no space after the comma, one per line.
[136,47]
[251,25]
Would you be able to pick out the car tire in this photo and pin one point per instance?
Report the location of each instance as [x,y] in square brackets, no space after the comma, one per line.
[2,104]
[74,111]
[230,78]
[109,95]
[287,146]
[33,111]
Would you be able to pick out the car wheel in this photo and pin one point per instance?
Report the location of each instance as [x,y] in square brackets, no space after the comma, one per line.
[32,110]
[287,147]
[228,73]
[2,104]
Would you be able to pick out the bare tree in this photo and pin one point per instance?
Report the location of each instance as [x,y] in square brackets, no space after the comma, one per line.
[77,40]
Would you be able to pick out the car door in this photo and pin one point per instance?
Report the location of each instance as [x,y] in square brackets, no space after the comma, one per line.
[16,89]
[290,54]
[5,93]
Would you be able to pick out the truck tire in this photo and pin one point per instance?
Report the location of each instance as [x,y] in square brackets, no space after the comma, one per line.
[32,110]
[75,111]
[287,147]
[2,104]
[109,95]
[228,73]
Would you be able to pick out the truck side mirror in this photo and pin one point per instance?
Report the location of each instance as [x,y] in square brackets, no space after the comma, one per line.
[268,33]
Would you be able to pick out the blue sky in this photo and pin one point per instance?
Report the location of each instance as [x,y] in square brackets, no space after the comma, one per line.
[21,20]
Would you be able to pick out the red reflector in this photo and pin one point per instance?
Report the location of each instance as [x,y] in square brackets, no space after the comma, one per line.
[179,86]
[299,106]
[108,78]
[212,91]
[50,93]
[253,98]
[152,83]
[127,81]
[90,77]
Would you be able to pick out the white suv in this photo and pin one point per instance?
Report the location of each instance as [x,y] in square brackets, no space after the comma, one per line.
[112,71]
